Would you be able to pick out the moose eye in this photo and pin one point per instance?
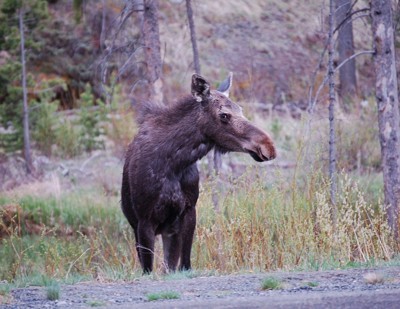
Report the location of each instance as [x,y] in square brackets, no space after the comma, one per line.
[224,117]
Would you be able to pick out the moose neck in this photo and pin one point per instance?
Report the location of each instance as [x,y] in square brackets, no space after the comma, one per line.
[182,126]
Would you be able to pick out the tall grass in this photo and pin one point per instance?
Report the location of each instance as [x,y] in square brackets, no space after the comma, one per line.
[258,227]
[289,226]
[77,234]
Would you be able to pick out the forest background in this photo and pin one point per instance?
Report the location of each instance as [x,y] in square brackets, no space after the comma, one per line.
[87,69]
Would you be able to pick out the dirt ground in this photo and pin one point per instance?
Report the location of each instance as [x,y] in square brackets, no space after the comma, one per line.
[354,288]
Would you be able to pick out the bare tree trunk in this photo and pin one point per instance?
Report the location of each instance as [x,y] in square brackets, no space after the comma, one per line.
[388,106]
[347,73]
[213,164]
[193,36]
[103,26]
[332,142]
[151,37]
[27,143]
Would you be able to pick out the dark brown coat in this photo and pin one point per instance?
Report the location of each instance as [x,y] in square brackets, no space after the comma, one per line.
[160,183]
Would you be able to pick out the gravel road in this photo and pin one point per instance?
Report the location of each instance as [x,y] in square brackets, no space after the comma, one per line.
[354,288]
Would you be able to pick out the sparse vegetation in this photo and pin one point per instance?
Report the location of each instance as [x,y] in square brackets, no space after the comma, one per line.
[53,290]
[5,296]
[374,278]
[186,274]
[163,295]
[312,284]
[271,283]
[96,303]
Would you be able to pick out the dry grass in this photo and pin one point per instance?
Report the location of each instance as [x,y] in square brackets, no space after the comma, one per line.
[285,227]
[259,226]
[374,278]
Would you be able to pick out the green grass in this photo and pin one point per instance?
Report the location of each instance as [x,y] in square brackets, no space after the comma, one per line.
[271,283]
[53,291]
[312,284]
[96,303]
[186,274]
[5,289]
[163,295]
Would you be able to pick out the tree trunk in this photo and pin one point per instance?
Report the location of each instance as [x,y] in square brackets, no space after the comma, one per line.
[151,37]
[347,73]
[388,105]
[193,36]
[103,26]
[25,119]
[332,141]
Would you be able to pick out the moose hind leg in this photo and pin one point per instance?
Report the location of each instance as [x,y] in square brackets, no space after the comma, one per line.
[188,227]
[172,248]
[145,245]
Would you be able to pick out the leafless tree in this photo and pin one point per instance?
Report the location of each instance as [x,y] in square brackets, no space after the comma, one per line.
[151,37]
[27,143]
[332,141]
[196,60]
[330,80]
[123,51]
[388,105]
[347,74]
[213,163]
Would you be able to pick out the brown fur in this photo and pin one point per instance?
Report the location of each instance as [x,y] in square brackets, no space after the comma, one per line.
[160,183]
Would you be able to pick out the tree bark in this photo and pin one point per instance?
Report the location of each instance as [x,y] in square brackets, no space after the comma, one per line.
[151,37]
[103,26]
[332,140]
[25,118]
[388,106]
[347,73]
[193,36]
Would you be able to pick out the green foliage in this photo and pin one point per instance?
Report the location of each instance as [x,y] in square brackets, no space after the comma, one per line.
[43,118]
[67,139]
[163,295]
[53,290]
[10,107]
[43,126]
[312,284]
[35,11]
[4,289]
[78,10]
[179,275]
[89,120]
[271,283]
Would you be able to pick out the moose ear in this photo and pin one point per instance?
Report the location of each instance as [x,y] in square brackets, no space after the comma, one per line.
[200,88]
[225,86]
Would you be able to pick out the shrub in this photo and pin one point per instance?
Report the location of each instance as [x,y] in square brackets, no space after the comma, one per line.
[271,283]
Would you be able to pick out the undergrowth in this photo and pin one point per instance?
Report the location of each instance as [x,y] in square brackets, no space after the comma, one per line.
[258,227]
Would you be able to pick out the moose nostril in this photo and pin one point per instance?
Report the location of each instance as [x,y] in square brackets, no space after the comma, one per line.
[272,153]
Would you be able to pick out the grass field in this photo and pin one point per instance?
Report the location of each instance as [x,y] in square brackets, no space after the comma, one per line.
[259,227]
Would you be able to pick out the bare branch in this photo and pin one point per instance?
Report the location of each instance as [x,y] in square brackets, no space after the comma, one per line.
[363,52]
[348,17]
[322,85]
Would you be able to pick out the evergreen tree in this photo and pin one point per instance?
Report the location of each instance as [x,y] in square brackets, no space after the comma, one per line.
[35,11]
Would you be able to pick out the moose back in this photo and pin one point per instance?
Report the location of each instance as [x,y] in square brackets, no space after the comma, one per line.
[160,183]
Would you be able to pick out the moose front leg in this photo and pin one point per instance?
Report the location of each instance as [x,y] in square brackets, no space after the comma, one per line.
[145,245]
[188,227]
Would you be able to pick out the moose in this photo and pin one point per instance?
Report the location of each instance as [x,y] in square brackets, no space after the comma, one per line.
[160,182]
